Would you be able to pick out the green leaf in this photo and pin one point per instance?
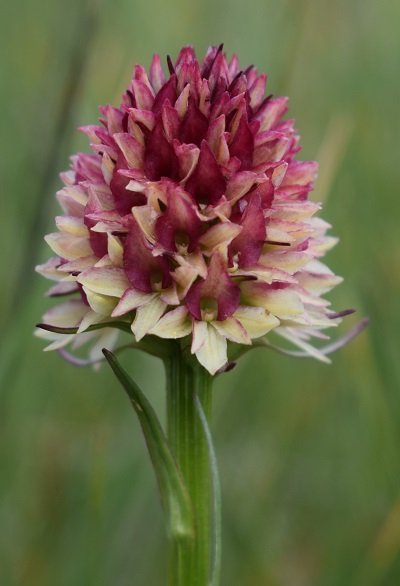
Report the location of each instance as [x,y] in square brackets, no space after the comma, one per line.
[174,495]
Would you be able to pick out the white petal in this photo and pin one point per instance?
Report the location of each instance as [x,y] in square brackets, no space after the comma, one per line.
[174,324]
[147,316]
[212,354]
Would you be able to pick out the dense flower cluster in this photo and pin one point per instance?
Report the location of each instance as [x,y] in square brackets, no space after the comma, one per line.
[191,217]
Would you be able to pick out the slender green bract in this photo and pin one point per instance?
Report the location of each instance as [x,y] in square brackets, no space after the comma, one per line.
[174,496]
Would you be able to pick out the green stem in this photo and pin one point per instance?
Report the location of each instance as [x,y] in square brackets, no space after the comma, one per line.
[190,560]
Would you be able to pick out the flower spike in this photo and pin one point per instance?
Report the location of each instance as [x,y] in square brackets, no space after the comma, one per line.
[191,220]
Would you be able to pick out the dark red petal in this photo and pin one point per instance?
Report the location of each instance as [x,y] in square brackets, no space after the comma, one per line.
[143,269]
[266,193]
[124,199]
[248,244]
[206,184]
[194,125]
[208,61]
[189,73]
[167,92]
[242,145]
[160,159]
[98,241]
[218,287]
[179,223]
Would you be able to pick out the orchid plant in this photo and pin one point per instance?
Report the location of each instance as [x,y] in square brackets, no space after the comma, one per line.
[189,227]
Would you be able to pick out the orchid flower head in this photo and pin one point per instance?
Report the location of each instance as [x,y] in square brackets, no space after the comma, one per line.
[190,219]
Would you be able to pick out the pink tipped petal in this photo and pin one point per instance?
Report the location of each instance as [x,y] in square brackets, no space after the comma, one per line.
[257,91]
[69,246]
[271,112]
[282,303]
[144,97]
[131,149]
[301,172]
[239,185]
[157,77]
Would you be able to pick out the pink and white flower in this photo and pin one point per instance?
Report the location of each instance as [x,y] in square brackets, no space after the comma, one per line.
[191,218]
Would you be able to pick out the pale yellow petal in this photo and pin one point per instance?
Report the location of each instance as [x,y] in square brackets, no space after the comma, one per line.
[282,303]
[105,280]
[233,330]
[88,320]
[212,354]
[79,264]
[115,250]
[222,233]
[257,321]
[174,324]
[102,304]
[72,225]
[147,316]
[199,335]
[69,246]
[75,192]
[132,299]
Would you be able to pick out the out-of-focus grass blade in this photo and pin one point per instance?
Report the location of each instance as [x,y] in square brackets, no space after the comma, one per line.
[174,496]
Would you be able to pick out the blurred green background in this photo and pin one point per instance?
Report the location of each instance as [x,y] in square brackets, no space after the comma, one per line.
[308,453]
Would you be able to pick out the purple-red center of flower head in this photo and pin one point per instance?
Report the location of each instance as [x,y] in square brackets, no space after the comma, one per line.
[191,217]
